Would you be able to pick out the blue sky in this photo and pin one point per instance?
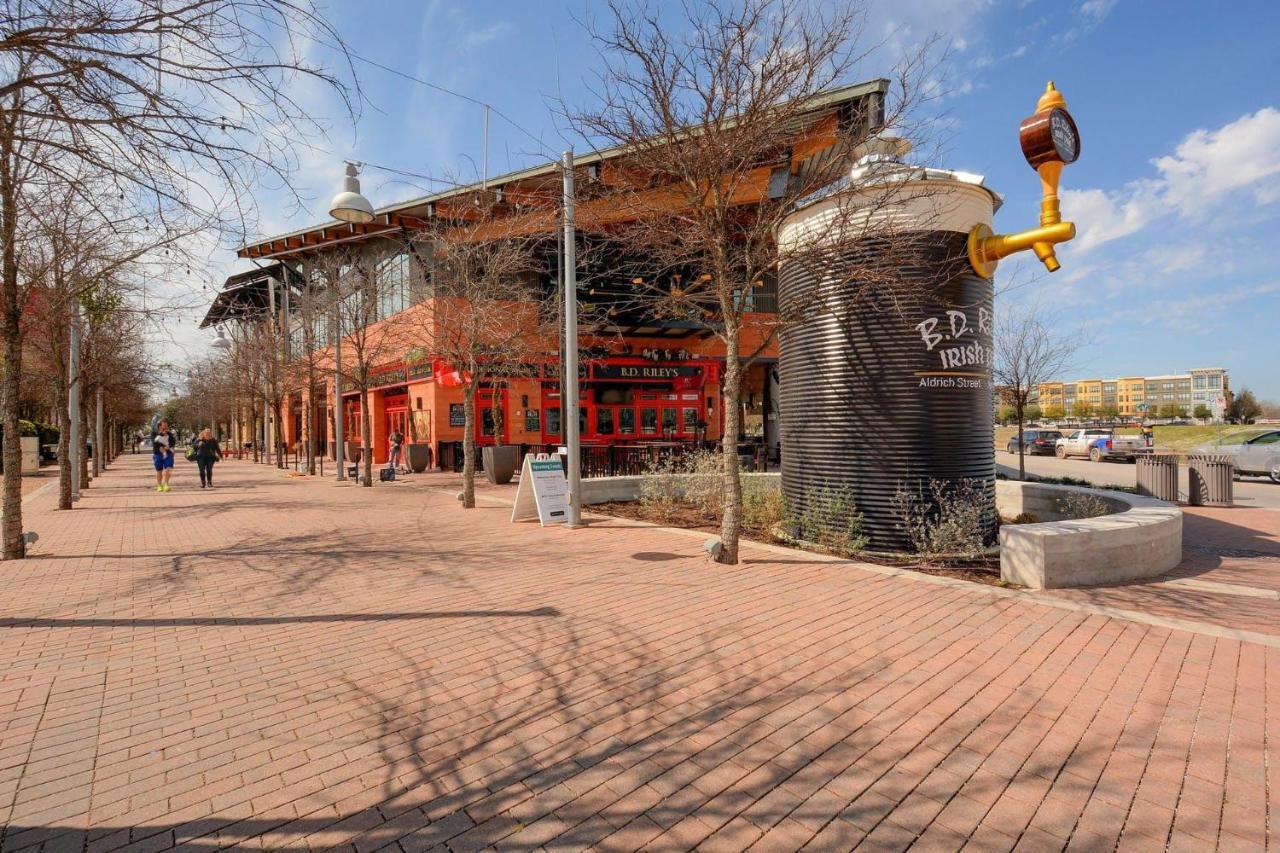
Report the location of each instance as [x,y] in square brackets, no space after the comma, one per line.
[1176,194]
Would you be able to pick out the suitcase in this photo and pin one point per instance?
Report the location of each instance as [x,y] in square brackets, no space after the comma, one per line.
[386,474]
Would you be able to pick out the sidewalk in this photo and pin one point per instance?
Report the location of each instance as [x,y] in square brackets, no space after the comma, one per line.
[290,663]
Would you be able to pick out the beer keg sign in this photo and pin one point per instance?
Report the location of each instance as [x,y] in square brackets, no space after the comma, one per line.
[1049,136]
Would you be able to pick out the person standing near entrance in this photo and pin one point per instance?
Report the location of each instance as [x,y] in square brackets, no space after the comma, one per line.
[162,455]
[393,458]
[207,453]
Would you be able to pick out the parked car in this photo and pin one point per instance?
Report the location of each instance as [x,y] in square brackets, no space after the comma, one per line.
[1036,441]
[1100,444]
[1259,454]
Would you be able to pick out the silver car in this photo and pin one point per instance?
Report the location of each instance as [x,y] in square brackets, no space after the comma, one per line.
[1260,454]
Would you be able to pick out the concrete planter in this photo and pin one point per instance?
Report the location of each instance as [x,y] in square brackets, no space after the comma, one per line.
[417,457]
[1142,538]
[30,454]
[499,463]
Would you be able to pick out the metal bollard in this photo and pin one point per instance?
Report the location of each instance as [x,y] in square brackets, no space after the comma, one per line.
[1211,479]
[1158,476]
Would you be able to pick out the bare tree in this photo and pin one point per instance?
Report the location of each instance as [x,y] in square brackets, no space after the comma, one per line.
[711,104]
[1028,352]
[483,315]
[182,107]
[361,281]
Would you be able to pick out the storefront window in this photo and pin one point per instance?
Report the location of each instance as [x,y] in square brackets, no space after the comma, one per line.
[649,421]
[668,420]
[582,422]
[690,419]
[627,421]
[604,421]
[553,421]
[486,421]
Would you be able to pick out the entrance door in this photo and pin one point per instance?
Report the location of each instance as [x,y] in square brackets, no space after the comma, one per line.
[397,421]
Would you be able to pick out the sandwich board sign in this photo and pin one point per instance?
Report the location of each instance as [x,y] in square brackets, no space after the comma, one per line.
[543,493]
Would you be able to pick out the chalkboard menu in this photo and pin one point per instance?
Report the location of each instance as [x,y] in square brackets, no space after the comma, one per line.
[457,417]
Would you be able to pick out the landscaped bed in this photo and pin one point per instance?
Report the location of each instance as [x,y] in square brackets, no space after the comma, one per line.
[943,520]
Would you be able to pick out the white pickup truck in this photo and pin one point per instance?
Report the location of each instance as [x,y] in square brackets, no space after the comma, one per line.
[1100,444]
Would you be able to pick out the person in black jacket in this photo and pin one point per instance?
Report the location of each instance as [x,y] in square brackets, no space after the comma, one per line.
[207,453]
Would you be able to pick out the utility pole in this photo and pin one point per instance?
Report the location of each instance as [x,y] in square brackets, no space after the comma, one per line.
[338,443]
[75,444]
[569,374]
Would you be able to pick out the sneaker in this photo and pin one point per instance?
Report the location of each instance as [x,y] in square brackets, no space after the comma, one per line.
[165,487]
[159,488]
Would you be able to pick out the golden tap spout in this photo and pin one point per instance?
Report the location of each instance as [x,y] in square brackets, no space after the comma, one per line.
[1049,141]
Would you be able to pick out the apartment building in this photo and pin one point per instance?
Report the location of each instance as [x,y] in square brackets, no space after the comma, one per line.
[1139,396]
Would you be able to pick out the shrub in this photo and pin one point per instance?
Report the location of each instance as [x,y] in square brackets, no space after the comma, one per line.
[945,519]
[1082,505]
[763,507]
[702,481]
[27,428]
[660,490]
[831,521]
[1021,518]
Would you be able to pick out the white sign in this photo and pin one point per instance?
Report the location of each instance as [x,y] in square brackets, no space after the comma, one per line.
[543,493]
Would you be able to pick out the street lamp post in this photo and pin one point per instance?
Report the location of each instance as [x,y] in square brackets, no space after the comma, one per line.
[347,206]
[569,372]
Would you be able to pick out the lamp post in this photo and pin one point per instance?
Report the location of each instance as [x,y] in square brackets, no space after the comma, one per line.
[569,370]
[347,206]
[222,345]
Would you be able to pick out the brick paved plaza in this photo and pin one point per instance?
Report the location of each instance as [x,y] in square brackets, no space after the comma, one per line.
[285,663]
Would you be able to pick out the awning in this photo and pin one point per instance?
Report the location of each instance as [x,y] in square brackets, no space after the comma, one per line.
[246,295]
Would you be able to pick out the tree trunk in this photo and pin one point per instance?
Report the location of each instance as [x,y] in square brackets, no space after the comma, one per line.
[80,451]
[14,547]
[731,485]
[309,414]
[97,460]
[278,433]
[469,446]
[1022,459]
[366,438]
[64,441]
[253,421]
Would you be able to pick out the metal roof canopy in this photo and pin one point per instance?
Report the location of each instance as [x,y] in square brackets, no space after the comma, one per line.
[245,296]
[388,218]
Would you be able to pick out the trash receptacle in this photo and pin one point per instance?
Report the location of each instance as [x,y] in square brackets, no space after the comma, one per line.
[1158,476]
[1210,477]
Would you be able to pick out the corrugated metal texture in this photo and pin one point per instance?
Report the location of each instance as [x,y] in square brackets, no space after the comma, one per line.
[878,398]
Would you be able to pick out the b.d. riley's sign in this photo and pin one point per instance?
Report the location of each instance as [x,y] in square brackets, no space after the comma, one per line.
[958,341]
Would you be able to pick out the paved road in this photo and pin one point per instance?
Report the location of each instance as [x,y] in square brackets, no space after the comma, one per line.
[1255,492]
[292,664]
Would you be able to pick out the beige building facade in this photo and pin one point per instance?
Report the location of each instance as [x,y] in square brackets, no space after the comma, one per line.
[1205,390]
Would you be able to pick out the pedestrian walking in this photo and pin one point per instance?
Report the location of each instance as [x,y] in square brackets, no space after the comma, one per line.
[207,453]
[162,441]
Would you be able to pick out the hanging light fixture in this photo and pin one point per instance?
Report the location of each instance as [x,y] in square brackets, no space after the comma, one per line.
[349,205]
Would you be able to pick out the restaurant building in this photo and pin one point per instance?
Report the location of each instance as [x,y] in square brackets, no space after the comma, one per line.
[643,379]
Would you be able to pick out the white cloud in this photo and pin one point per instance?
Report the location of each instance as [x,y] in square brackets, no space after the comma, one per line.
[1209,165]
[1096,10]
[1206,171]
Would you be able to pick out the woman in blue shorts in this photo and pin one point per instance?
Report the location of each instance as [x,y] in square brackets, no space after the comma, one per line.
[162,455]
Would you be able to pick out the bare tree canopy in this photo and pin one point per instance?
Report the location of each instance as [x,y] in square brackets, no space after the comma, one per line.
[1029,350]
[161,114]
[715,106]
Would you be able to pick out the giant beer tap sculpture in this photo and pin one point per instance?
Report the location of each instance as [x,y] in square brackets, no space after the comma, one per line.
[1049,141]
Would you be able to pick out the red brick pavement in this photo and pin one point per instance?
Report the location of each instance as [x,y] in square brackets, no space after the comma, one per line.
[295,664]
[1229,576]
